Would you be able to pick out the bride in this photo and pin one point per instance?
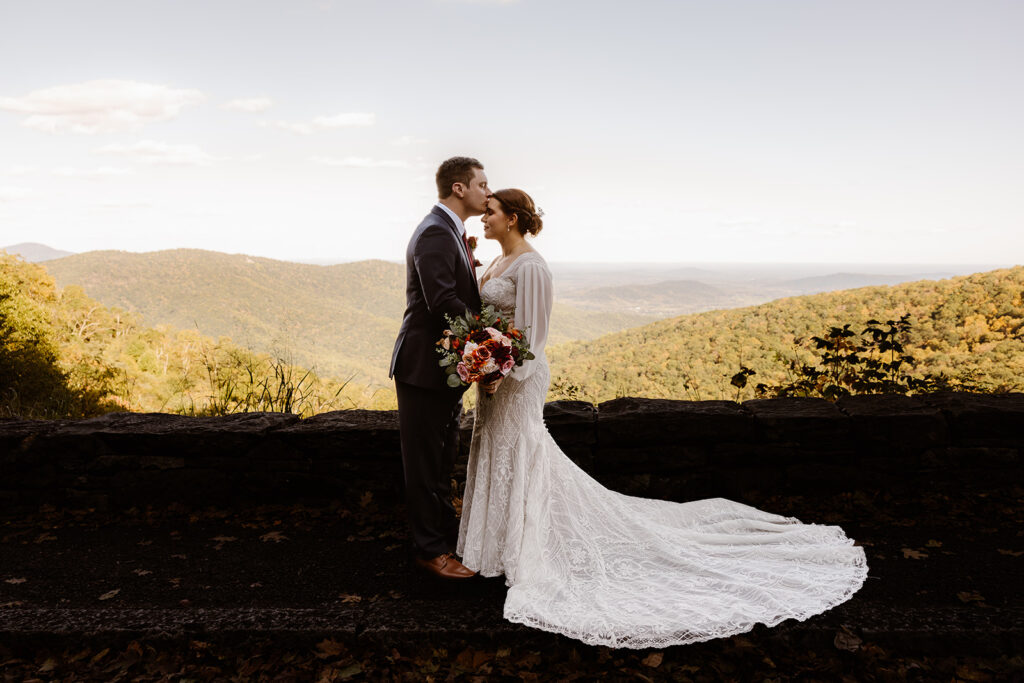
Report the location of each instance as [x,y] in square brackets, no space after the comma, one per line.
[600,566]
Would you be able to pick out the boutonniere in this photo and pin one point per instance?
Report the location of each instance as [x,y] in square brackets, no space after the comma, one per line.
[472,249]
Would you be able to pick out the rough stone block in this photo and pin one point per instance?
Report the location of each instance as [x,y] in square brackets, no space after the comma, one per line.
[801,420]
[982,419]
[650,459]
[895,419]
[356,433]
[571,422]
[635,421]
[738,481]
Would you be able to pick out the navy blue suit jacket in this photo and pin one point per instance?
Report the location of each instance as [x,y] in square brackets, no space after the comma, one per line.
[439,279]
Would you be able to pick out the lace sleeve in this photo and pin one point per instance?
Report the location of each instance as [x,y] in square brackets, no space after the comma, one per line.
[534,298]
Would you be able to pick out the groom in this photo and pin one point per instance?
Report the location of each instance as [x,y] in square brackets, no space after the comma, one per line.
[440,278]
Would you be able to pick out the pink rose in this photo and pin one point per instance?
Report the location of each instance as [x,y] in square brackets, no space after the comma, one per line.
[463,372]
[507,366]
[482,352]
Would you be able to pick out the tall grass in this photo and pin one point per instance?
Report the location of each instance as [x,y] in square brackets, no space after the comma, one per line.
[240,381]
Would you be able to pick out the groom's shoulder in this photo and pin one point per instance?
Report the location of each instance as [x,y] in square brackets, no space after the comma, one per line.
[430,222]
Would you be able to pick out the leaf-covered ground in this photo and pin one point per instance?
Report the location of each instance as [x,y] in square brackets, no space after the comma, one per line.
[339,578]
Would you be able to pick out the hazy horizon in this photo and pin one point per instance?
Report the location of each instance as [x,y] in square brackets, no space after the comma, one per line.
[714,269]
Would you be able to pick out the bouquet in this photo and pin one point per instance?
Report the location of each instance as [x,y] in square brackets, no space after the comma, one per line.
[481,348]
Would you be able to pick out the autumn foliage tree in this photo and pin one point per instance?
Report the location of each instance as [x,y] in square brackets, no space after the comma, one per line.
[874,361]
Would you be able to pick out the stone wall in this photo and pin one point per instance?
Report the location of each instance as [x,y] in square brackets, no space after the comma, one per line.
[675,450]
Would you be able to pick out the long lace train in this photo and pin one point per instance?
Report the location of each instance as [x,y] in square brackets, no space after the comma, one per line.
[623,571]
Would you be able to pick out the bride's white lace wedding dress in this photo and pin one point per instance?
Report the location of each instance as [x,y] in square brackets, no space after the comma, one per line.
[616,570]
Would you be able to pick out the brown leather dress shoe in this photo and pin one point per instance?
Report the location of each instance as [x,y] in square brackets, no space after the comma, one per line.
[445,567]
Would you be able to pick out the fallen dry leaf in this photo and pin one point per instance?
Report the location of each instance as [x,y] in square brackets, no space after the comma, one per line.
[653,660]
[18,580]
[845,640]
[45,537]
[970,596]
[110,594]
[15,603]
[49,665]
[350,671]
[966,673]
[142,572]
[473,659]
[350,597]
[221,540]
[914,554]
[275,536]
[932,543]
[1011,553]
[329,648]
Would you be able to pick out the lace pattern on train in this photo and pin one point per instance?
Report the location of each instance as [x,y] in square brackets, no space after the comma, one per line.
[622,571]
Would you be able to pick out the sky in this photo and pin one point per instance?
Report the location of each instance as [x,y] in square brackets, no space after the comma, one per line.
[676,131]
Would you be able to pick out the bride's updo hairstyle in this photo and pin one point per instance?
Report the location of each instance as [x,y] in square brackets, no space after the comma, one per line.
[519,203]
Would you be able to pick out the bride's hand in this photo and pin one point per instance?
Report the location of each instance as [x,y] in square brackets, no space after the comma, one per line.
[491,387]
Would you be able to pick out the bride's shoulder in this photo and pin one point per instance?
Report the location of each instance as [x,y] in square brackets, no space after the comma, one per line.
[534,256]
[541,262]
[532,264]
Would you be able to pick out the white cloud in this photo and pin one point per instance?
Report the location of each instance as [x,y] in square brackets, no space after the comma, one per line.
[11,194]
[99,172]
[20,170]
[152,152]
[249,104]
[407,140]
[299,128]
[360,162]
[745,222]
[115,205]
[343,120]
[101,106]
[320,122]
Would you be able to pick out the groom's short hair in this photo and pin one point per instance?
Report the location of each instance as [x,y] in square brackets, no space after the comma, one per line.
[455,170]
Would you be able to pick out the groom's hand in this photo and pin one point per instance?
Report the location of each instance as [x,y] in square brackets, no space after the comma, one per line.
[491,387]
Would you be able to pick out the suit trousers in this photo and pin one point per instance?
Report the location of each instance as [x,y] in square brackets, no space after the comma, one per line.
[428,423]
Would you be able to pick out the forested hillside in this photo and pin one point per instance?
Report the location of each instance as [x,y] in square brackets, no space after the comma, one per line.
[64,354]
[960,325]
[340,319]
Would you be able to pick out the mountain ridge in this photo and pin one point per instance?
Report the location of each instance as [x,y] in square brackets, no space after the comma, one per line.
[964,323]
[340,319]
[35,252]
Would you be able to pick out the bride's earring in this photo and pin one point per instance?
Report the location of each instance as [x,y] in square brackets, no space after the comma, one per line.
[508,228]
